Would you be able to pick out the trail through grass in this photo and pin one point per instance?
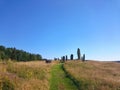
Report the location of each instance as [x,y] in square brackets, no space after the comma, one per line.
[59,80]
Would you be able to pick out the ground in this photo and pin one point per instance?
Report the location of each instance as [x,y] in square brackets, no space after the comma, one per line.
[71,75]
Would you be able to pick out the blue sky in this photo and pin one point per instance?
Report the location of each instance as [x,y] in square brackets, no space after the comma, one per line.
[55,28]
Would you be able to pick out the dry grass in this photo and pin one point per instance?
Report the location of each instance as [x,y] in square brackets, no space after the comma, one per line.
[25,75]
[36,75]
[95,75]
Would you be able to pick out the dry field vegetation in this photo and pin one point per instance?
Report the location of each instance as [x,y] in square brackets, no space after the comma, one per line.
[36,75]
[25,75]
[93,75]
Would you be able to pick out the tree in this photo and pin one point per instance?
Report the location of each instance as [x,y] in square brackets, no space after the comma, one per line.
[19,55]
[13,54]
[39,57]
[2,52]
[71,56]
[8,52]
[2,48]
[83,58]
[78,54]
[2,55]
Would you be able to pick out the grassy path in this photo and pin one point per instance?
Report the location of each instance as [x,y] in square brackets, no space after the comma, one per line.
[59,81]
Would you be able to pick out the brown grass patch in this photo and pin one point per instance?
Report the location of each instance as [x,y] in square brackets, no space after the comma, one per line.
[95,75]
[25,75]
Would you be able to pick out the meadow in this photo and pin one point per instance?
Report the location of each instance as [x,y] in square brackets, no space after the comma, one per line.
[92,75]
[71,75]
[24,75]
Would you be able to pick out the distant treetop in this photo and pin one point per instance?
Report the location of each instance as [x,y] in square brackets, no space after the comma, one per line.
[16,54]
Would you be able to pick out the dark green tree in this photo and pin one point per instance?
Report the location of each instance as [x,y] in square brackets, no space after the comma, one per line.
[2,55]
[78,54]
[2,52]
[13,54]
[71,56]
[39,57]
[19,55]
[2,48]
[8,52]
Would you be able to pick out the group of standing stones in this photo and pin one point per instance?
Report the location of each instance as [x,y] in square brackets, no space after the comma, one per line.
[65,58]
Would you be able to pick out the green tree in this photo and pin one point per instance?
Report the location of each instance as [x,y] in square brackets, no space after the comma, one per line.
[19,55]
[39,57]
[2,55]
[8,52]
[13,54]
[2,48]
[2,52]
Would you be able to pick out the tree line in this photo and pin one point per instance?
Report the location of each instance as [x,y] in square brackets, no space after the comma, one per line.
[16,54]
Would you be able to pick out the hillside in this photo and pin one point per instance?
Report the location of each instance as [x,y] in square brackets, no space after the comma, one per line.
[71,75]
[93,75]
[25,75]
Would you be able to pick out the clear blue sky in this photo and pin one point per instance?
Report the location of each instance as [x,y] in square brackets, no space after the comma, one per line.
[55,28]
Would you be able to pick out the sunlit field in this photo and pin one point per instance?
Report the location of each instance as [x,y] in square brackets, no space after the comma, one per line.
[25,75]
[93,75]
[38,75]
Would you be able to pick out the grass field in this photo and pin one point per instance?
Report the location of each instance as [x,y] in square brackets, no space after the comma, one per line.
[93,75]
[72,75]
[25,75]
